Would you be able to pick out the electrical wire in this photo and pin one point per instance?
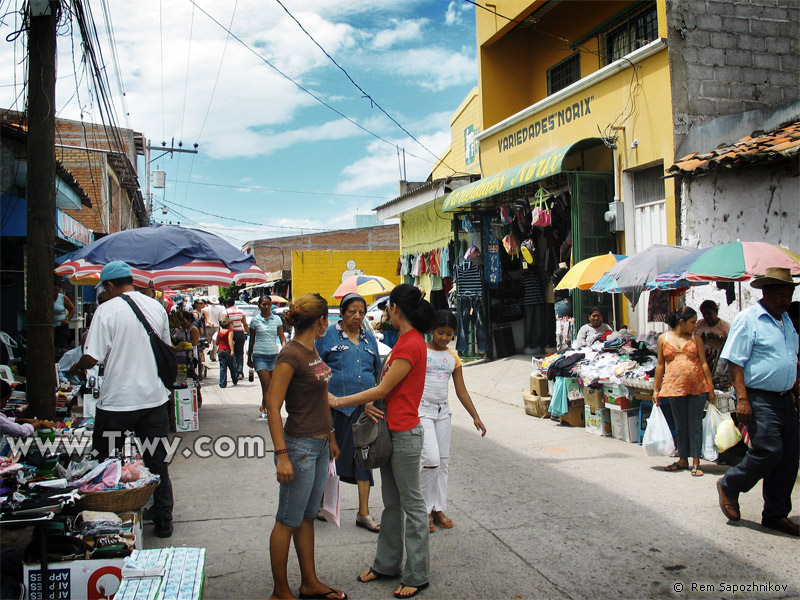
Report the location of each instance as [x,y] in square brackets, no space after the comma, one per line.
[265,189]
[112,41]
[161,43]
[373,103]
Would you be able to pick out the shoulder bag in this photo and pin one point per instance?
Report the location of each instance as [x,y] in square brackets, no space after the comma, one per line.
[372,440]
[166,359]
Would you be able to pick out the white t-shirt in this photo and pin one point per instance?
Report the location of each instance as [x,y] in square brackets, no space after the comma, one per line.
[119,339]
[213,312]
[438,368]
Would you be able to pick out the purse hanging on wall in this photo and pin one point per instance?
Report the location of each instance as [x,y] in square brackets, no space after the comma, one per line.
[540,215]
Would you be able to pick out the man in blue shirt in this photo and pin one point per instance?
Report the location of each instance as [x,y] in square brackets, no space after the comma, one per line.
[761,351]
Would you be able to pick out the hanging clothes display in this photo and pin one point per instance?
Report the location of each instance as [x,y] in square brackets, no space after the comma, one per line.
[494,276]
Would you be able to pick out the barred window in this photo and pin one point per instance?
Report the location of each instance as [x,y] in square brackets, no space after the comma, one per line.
[633,30]
[564,73]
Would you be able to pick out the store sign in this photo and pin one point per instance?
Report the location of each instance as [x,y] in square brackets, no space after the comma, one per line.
[70,230]
[470,145]
[546,124]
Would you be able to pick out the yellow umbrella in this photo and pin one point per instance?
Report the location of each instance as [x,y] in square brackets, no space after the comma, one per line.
[586,273]
[365,285]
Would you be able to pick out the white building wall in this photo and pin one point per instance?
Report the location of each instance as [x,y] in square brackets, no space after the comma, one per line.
[748,205]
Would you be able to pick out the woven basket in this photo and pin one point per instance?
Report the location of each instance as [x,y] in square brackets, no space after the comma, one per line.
[117,501]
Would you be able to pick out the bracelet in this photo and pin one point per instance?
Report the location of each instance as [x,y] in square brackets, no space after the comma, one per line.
[282,451]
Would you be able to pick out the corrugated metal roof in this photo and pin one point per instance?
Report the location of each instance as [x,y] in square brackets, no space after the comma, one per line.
[759,147]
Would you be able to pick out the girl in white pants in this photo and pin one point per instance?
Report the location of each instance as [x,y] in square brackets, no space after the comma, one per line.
[434,414]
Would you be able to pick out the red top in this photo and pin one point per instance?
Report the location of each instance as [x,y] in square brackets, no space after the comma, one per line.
[402,403]
[222,340]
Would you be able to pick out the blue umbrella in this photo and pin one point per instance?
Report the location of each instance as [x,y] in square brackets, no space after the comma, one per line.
[163,247]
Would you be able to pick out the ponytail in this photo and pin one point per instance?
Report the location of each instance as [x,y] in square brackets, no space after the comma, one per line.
[682,314]
[414,307]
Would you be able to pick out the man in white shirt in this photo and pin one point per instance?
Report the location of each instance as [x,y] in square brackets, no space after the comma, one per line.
[212,312]
[132,396]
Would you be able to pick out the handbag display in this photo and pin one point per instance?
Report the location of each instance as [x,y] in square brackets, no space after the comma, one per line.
[372,440]
[166,359]
[540,215]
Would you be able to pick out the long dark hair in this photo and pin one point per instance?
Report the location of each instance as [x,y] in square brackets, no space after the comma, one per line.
[682,314]
[416,309]
[444,318]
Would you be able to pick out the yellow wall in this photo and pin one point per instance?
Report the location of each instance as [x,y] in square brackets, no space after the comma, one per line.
[321,270]
[466,115]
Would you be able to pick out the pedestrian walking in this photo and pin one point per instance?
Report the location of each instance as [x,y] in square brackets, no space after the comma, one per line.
[683,377]
[434,413]
[352,354]
[761,352]
[266,331]
[402,386]
[240,331]
[132,397]
[212,312]
[225,353]
[304,447]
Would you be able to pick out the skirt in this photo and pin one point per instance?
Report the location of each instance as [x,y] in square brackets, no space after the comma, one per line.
[346,466]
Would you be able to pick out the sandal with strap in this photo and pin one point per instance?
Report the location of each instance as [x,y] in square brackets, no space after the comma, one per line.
[697,472]
[675,467]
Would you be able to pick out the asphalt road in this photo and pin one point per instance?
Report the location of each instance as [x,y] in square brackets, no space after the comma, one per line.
[541,511]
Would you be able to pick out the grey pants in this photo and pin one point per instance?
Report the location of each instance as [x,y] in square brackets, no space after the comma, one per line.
[688,414]
[402,494]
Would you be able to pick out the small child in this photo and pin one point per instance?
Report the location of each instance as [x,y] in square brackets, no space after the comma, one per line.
[227,362]
[434,414]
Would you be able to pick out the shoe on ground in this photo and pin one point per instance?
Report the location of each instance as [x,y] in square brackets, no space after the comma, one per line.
[241,375]
[163,529]
[785,525]
[729,506]
[369,523]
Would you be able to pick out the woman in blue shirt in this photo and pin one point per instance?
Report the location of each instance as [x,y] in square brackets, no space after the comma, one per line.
[352,354]
[262,352]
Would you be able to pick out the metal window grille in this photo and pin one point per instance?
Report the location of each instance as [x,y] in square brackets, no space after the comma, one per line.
[564,73]
[648,185]
[633,30]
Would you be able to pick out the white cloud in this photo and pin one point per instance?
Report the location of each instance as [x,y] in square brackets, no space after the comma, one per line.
[436,68]
[403,31]
[456,12]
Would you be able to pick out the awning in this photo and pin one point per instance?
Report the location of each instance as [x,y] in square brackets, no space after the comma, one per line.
[531,170]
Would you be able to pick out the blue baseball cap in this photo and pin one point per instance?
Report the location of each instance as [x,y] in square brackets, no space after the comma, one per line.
[115,270]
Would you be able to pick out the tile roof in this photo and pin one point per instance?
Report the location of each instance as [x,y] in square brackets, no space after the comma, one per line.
[759,147]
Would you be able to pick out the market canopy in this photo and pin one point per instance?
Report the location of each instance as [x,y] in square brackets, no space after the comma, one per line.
[546,165]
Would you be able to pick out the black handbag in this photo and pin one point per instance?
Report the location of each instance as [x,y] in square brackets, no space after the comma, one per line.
[166,359]
[372,440]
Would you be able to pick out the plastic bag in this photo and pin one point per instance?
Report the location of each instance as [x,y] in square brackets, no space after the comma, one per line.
[657,440]
[330,500]
[558,404]
[710,422]
[728,435]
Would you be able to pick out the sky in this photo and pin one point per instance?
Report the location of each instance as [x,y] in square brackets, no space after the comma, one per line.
[272,160]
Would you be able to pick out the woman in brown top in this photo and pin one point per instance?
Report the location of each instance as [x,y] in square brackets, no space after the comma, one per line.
[683,376]
[303,447]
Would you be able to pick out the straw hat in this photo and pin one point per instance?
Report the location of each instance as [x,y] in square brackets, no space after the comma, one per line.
[774,276]
[213,300]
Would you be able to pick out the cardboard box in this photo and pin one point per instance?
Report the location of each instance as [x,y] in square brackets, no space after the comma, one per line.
[186,415]
[75,579]
[539,385]
[625,425]
[575,416]
[594,397]
[598,421]
[536,406]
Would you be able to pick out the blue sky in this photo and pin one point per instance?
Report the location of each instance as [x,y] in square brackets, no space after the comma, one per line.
[256,129]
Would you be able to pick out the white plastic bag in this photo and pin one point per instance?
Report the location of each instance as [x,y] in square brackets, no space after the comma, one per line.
[728,435]
[330,500]
[710,423]
[657,440]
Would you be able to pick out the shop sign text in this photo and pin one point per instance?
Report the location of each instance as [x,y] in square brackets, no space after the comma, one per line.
[546,124]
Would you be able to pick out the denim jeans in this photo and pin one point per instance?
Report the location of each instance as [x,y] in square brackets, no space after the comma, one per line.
[238,349]
[301,498]
[402,495]
[471,311]
[226,363]
[534,326]
[688,414]
[774,455]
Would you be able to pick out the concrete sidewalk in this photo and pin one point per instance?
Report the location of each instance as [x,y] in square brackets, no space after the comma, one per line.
[541,511]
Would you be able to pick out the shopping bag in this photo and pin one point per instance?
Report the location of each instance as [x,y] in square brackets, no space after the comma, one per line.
[728,435]
[330,500]
[657,440]
[559,405]
[710,421]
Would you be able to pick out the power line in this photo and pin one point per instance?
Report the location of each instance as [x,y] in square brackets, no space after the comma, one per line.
[372,101]
[264,189]
[300,87]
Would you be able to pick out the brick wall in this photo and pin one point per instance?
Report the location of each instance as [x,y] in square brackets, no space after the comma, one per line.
[274,254]
[730,56]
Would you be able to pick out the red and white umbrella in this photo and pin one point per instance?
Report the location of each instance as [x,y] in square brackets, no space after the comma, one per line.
[193,273]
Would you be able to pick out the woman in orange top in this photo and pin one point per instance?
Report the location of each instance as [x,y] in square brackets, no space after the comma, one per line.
[683,376]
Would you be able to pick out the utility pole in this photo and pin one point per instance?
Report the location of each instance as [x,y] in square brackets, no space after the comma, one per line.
[41,193]
[147,160]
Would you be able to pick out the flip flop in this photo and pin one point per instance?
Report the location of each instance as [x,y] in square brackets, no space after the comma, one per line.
[324,595]
[417,590]
[377,575]
[675,467]
[697,472]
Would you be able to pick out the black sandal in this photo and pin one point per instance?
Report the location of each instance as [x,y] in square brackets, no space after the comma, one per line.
[675,467]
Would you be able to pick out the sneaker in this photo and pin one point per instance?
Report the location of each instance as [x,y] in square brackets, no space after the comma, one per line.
[163,529]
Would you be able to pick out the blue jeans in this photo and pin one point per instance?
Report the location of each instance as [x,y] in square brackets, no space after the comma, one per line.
[534,326]
[774,455]
[239,338]
[688,414]
[227,362]
[301,498]
[471,311]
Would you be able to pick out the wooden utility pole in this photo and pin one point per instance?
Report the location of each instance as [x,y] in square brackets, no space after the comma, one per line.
[41,195]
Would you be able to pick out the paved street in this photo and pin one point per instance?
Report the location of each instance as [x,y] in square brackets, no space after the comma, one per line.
[541,511]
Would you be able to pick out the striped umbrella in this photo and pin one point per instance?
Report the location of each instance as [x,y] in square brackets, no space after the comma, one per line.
[365,285]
